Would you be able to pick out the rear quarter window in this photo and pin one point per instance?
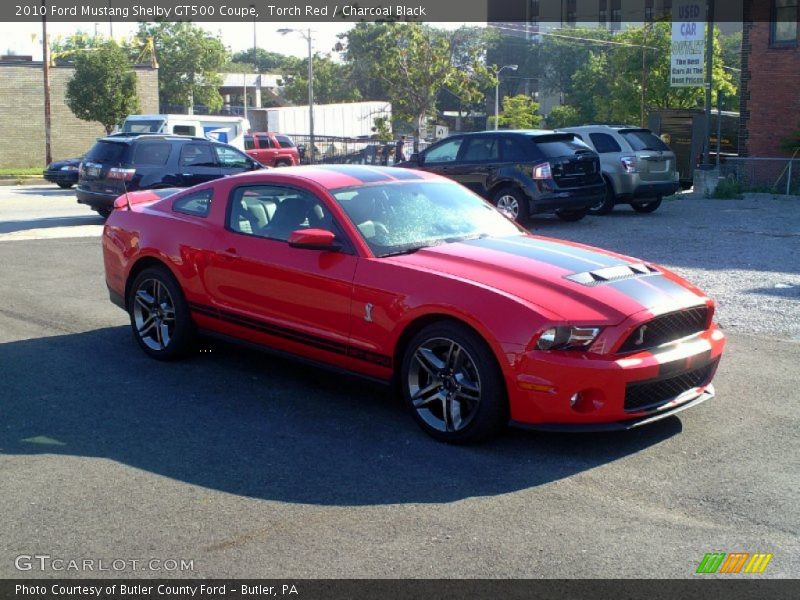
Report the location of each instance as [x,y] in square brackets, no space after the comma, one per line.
[604,143]
[197,204]
[284,141]
[518,149]
[108,152]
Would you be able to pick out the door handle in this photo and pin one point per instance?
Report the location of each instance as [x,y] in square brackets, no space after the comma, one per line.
[230,253]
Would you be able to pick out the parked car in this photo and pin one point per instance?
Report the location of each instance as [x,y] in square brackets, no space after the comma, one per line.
[408,277]
[638,167]
[522,172]
[272,149]
[120,163]
[64,173]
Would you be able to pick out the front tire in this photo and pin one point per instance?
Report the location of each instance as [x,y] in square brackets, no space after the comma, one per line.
[647,207]
[512,202]
[572,215]
[160,320]
[452,384]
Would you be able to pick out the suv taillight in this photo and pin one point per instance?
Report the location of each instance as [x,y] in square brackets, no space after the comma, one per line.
[629,164]
[121,174]
[542,171]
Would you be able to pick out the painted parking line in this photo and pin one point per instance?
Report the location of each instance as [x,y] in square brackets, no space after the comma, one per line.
[48,233]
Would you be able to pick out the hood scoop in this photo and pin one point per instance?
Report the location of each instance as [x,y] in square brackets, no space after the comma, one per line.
[607,274]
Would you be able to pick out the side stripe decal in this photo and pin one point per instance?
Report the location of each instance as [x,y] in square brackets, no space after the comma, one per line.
[293,335]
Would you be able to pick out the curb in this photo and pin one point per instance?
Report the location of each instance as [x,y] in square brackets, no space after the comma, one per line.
[23,181]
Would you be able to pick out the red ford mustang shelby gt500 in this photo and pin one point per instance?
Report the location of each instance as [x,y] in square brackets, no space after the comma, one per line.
[408,277]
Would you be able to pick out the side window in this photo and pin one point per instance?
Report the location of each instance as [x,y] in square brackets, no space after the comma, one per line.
[285,141]
[447,151]
[481,149]
[197,204]
[263,141]
[516,150]
[231,158]
[249,144]
[151,153]
[274,212]
[604,143]
[183,130]
[197,155]
[783,24]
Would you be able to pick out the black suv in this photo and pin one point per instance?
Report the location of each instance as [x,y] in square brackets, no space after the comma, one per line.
[522,172]
[120,163]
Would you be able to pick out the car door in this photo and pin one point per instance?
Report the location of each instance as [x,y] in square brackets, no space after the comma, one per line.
[442,158]
[294,299]
[232,161]
[197,164]
[477,163]
[267,151]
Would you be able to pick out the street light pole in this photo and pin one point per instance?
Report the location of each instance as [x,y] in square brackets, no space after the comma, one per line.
[497,91]
[307,36]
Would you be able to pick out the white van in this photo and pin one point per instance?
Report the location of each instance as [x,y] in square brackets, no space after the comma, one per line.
[230,130]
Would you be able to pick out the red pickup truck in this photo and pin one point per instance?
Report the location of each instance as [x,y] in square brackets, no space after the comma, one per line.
[272,149]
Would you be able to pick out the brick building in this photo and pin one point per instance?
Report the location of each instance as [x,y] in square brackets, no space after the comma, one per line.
[22,113]
[770,94]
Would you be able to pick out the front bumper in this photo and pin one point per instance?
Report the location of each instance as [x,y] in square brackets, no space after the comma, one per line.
[59,176]
[570,391]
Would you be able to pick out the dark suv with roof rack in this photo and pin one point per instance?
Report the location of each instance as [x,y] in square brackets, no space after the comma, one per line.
[523,172]
[123,163]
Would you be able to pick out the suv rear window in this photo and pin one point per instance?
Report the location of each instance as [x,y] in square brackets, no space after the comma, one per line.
[642,139]
[108,152]
[562,144]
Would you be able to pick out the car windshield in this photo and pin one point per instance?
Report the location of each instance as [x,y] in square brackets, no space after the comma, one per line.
[142,126]
[400,218]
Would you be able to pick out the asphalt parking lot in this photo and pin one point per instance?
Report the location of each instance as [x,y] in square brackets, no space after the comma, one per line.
[253,466]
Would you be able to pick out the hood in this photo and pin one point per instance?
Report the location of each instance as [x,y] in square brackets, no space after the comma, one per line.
[67,162]
[577,282]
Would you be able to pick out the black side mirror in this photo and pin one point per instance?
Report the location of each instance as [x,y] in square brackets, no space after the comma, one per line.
[417,158]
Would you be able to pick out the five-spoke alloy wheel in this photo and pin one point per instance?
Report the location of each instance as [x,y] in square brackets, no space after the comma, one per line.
[159,314]
[452,385]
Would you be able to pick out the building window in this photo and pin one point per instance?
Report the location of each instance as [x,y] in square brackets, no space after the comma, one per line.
[572,12]
[602,12]
[648,10]
[616,15]
[783,30]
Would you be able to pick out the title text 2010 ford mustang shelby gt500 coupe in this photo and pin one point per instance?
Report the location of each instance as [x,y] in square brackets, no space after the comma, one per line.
[408,277]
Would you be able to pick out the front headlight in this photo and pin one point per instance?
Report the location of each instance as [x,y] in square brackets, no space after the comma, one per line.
[69,168]
[567,337]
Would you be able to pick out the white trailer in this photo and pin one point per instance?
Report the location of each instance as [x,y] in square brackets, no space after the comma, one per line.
[352,119]
[230,130]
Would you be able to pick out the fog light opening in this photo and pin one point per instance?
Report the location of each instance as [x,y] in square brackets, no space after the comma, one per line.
[585,401]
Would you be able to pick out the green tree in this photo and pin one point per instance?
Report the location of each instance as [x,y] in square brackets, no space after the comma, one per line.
[519,112]
[189,62]
[410,63]
[103,87]
[563,116]
[331,81]
[266,61]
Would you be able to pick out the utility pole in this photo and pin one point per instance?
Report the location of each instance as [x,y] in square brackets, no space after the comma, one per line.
[709,78]
[48,153]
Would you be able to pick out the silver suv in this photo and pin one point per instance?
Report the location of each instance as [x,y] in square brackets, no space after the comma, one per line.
[637,166]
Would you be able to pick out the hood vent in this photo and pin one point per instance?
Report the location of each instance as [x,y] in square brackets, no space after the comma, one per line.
[600,276]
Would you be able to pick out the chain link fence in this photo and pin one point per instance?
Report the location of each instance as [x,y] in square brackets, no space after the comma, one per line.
[755,174]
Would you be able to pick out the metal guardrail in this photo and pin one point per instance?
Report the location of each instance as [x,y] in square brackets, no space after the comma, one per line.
[774,174]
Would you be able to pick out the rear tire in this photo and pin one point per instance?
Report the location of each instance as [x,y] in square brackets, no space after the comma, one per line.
[647,207]
[572,215]
[282,163]
[160,319]
[606,205]
[452,384]
[513,202]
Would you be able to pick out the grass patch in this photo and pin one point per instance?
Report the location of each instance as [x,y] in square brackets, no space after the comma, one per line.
[727,189]
[12,172]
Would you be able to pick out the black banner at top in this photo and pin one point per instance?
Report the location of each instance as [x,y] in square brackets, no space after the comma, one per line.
[562,12]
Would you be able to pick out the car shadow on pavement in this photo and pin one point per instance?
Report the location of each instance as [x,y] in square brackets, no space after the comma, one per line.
[252,424]
[48,222]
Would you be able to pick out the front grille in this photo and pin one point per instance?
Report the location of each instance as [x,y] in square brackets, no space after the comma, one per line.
[666,328]
[651,394]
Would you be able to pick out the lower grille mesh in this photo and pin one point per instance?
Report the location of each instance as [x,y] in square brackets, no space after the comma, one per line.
[651,394]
